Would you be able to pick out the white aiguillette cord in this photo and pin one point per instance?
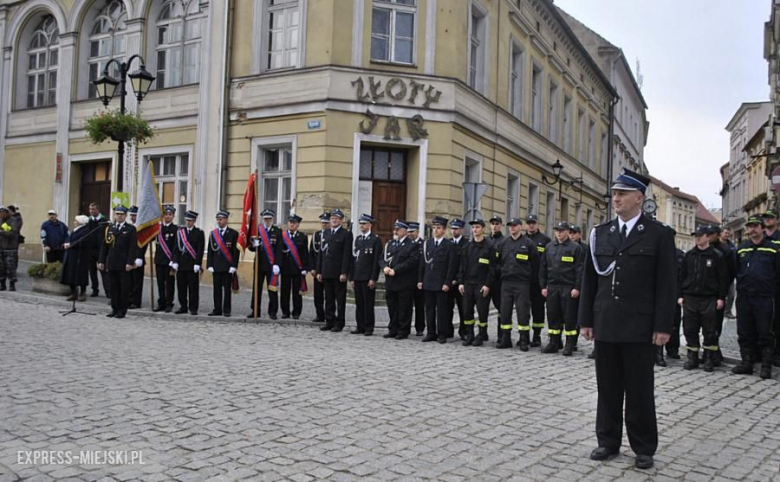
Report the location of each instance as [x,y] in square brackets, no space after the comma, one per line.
[599,271]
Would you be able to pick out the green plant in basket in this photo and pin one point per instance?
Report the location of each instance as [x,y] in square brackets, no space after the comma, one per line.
[118,127]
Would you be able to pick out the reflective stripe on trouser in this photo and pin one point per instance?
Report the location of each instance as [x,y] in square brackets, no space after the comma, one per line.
[560,310]
[571,332]
[515,298]
[553,332]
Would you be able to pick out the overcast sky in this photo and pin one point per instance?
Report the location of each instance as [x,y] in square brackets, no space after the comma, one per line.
[700,60]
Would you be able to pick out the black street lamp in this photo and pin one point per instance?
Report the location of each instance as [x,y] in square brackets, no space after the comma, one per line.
[607,196]
[557,169]
[106,86]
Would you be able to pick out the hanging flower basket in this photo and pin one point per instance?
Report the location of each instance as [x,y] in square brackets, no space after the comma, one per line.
[118,127]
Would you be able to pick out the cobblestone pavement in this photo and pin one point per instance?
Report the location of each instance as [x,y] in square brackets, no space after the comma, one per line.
[228,401]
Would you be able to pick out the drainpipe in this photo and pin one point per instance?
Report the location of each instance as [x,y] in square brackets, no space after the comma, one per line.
[224,106]
[611,145]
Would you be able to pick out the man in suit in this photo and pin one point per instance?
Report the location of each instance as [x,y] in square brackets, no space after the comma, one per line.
[626,304]
[400,263]
[137,275]
[96,220]
[268,246]
[163,261]
[188,258]
[437,270]
[455,298]
[293,262]
[117,256]
[222,262]
[314,255]
[365,272]
[419,295]
[334,264]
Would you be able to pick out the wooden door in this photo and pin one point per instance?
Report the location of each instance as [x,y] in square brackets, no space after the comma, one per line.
[95,187]
[388,205]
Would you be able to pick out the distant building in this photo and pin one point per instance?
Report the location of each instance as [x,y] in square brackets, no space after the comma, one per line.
[678,210]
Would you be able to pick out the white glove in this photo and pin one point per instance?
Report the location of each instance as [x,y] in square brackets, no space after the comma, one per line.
[232,270]
[211,270]
[304,272]
[175,266]
[275,270]
[196,268]
[256,243]
[172,264]
[139,262]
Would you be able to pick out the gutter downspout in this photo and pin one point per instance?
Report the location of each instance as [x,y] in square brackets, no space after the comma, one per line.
[224,118]
[611,145]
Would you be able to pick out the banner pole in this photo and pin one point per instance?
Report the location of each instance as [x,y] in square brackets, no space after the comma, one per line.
[151,272]
[255,287]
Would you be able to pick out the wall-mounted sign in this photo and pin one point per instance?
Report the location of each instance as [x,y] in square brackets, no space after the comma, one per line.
[394,90]
[314,124]
[58,168]
[392,127]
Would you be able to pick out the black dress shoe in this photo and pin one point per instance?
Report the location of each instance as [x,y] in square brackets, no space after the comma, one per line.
[337,329]
[401,336]
[326,328]
[168,309]
[356,332]
[284,317]
[273,317]
[119,315]
[158,308]
[442,340]
[180,311]
[389,335]
[133,307]
[368,333]
[112,314]
[419,333]
[429,337]
[193,313]
[95,294]
[226,314]
[215,313]
[295,317]
[644,462]
[602,453]
[317,320]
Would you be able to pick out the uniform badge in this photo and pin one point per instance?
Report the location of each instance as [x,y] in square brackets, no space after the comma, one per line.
[612,229]
[640,228]
[709,263]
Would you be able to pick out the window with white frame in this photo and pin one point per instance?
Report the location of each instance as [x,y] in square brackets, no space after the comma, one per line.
[517,77]
[536,99]
[582,134]
[283,26]
[592,144]
[106,41]
[276,179]
[392,31]
[533,199]
[472,172]
[43,60]
[178,40]
[552,115]
[512,195]
[172,173]
[477,43]
[568,124]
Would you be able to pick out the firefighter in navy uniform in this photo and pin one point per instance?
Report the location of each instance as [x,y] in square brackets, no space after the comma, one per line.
[496,236]
[137,275]
[771,232]
[367,254]
[400,263]
[560,275]
[419,295]
[334,264]
[758,277]
[268,246]
[293,261]
[476,275]
[702,288]
[222,262]
[314,254]
[117,256]
[627,301]
[437,270]
[188,260]
[518,259]
[455,297]
[163,261]
[537,300]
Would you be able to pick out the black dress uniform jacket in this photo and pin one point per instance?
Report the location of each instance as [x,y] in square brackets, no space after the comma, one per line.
[182,257]
[336,254]
[703,273]
[541,241]
[404,258]
[215,259]
[122,250]
[285,260]
[477,263]
[168,234]
[438,264]
[562,265]
[275,238]
[314,250]
[518,260]
[368,250]
[638,297]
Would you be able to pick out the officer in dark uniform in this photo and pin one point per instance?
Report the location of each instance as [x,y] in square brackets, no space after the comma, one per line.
[476,274]
[367,254]
[771,232]
[758,277]
[419,295]
[541,240]
[400,264]
[560,275]
[267,264]
[496,236]
[731,265]
[117,255]
[163,261]
[455,298]
[334,264]
[293,262]
[437,270]
[702,290]
[222,262]
[190,244]
[137,275]
[627,299]
[518,259]
[314,255]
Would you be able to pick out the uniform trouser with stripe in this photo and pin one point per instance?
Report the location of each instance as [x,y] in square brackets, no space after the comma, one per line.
[700,316]
[273,296]
[188,287]
[399,307]
[625,370]
[166,284]
[291,287]
[223,284]
[9,260]
[335,298]
[515,297]
[419,310]
[137,286]
[537,306]
[472,297]
[561,317]
[365,299]
[120,290]
[436,317]
[319,299]
[754,321]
